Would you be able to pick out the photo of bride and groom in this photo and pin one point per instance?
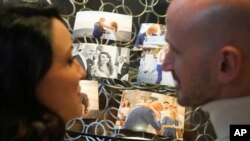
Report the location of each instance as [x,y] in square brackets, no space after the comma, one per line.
[103,25]
[101,30]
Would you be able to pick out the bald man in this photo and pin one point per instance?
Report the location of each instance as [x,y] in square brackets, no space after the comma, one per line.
[142,115]
[209,57]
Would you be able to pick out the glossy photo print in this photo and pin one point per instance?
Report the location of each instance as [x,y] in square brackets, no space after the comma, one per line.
[90,101]
[103,60]
[151,35]
[150,67]
[151,112]
[103,25]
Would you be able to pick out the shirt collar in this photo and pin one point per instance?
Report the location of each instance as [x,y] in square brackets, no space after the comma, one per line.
[225,112]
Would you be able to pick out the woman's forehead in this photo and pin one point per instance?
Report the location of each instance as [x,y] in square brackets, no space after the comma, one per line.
[61,41]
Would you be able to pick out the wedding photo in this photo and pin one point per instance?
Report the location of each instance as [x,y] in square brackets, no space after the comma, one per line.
[151,112]
[103,25]
[150,67]
[151,35]
[90,102]
[103,60]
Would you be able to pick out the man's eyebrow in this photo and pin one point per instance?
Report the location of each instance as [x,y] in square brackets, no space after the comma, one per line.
[171,45]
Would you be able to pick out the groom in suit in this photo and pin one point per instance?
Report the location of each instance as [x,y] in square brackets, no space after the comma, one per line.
[122,67]
[85,57]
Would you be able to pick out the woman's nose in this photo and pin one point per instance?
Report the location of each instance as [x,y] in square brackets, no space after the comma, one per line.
[81,70]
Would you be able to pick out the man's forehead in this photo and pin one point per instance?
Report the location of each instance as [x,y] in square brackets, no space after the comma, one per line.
[184,20]
[179,9]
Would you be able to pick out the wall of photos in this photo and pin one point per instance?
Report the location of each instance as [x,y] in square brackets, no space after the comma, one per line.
[131,16]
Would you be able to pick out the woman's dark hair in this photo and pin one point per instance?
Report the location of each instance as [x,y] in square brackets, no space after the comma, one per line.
[109,64]
[25,57]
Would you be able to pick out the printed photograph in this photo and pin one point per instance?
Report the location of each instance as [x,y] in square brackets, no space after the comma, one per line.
[122,63]
[151,35]
[103,60]
[90,101]
[150,67]
[151,112]
[103,25]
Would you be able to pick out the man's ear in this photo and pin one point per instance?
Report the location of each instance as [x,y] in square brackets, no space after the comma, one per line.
[229,64]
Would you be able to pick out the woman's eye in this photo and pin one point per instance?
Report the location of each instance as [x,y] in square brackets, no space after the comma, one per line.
[70,60]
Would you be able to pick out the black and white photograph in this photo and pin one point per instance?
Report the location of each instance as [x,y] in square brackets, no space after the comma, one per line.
[103,60]
[150,67]
[151,35]
[122,64]
[151,112]
[90,101]
[103,25]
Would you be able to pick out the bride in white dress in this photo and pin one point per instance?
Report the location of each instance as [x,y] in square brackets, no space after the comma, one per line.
[111,33]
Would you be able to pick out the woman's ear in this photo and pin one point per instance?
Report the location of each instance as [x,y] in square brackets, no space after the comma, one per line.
[230,62]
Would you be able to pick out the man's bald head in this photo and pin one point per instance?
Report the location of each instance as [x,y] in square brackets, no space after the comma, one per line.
[212,23]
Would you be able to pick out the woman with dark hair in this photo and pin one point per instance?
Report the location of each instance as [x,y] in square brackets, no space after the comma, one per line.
[39,78]
[104,66]
[85,104]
